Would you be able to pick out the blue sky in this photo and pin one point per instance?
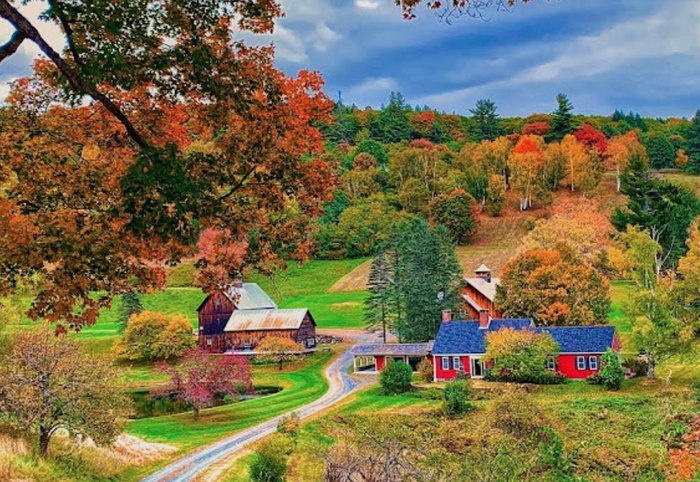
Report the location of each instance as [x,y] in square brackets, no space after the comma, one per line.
[640,55]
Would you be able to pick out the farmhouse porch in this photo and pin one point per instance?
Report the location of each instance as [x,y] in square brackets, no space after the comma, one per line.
[374,357]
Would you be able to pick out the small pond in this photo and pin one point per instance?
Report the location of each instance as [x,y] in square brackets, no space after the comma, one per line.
[146,405]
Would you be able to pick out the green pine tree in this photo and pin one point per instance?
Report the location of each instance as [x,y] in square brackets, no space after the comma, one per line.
[380,303]
[692,144]
[485,118]
[130,305]
[562,118]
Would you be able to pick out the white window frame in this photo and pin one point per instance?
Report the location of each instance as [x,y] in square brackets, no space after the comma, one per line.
[580,363]
[551,363]
[209,341]
[593,362]
[456,363]
[311,342]
[445,360]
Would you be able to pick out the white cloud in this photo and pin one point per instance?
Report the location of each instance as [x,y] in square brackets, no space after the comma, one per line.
[323,36]
[367,4]
[370,90]
[288,46]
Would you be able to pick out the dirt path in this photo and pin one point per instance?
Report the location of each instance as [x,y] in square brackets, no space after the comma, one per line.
[194,465]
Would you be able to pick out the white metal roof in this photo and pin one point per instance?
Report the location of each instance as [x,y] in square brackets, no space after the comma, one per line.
[249,296]
[266,319]
[486,288]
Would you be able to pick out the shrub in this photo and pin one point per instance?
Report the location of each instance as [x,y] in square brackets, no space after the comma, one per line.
[425,370]
[151,335]
[396,378]
[456,397]
[269,462]
[696,391]
[611,373]
[637,366]
[521,355]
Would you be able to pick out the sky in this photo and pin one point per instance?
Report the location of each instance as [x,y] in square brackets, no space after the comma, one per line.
[633,55]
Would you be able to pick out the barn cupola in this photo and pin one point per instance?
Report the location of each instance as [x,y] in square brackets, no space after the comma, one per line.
[483,272]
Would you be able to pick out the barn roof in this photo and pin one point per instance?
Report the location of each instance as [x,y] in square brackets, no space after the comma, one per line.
[486,288]
[463,337]
[247,296]
[266,319]
[408,349]
[581,339]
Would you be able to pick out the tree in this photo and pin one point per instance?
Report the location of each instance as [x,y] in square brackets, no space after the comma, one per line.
[396,378]
[279,350]
[656,331]
[200,377]
[456,8]
[495,194]
[486,120]
[520,355]
[130,305]
[374,149]
[180,136]
[582,168]
[611,373]
[661,151]
[151,335]
[455,397]
[270,459]
[692,144]
[392,124]
[378,305]
[592,138]
[526,163]
[48,383]
[554,287]
[623,151]
[562,118]
[455,211]
[661,208]
[539,128]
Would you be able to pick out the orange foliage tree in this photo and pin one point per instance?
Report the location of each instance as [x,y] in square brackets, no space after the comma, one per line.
[526,162]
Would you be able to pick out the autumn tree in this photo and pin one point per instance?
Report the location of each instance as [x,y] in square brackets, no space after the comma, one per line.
[455,211]
[199,378]
[495,194]
[456,8]
[582,169]
[485,120]
[520,355]
[417,172]
[279,350]
[554,169]
[539,128]
[526,163]
[554,287]
[124,147]
[623,151]
[562,118]
[477,161]
[593,139]
[151,335]
[48,383]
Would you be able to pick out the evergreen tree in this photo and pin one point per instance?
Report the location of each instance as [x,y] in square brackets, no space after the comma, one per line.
[692,144]
[392,124]
[131,305]
[487,126]
[379,304]
[562,118]
[661,152]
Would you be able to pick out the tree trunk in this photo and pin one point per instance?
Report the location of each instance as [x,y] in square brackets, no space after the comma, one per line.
[195,409]
[280,365]
[618,178]
[44,439]
[652,367]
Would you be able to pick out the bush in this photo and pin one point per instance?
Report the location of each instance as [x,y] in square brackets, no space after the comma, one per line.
[425,370]
[396,378]
[456,397]
[521,355]
[696,391]
[638,366]
[269,462]
[151,335]
[611,373]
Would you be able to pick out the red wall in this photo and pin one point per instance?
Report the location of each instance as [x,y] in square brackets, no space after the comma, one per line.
[566,364]
[380,363]
[449,374]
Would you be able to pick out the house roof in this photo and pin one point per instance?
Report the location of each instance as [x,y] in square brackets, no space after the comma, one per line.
[581,339]
[482,269]
[249,296]
[462,337]
[266,319]
[408,349]
[486,288]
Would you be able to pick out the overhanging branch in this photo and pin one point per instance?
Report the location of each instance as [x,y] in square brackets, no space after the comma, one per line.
[12,45]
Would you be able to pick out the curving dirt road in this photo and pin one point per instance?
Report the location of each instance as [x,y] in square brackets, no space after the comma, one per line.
[341,385]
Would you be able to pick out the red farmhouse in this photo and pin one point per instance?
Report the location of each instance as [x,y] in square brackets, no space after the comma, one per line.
[460,346]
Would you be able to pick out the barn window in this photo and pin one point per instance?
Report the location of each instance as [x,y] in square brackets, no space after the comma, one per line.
[581,362]
[455,363]
[551,363]
[310,342]
[593,362]
[445,363]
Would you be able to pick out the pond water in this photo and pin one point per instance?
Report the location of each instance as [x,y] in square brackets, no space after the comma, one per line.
[147,405]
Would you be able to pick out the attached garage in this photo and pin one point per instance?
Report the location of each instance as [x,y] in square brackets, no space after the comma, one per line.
[373,358]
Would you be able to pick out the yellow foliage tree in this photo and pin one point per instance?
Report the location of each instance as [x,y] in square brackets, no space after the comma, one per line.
[278,349]
[151,335]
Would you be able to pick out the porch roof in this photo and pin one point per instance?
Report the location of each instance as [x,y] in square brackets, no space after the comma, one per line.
[393,349]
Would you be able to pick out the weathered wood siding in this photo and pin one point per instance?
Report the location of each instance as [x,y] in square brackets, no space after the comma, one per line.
[482,301]
[213,315]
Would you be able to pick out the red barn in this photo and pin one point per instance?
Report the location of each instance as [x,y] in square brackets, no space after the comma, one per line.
[478,293]
[238,317]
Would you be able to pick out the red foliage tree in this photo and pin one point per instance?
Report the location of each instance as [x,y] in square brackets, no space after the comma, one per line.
[592,138]
[536,128]
[199,378]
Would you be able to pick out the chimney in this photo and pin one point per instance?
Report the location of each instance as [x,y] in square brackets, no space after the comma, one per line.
[446,315]
[484,319]
[483,272]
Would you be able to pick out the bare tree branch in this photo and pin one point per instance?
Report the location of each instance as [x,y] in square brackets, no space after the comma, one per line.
[22,25]
[12,45]
[67,29]
[238,185]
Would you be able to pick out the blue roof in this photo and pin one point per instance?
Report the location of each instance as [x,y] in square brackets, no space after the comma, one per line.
[581,339]
[464,337]
[461,337]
